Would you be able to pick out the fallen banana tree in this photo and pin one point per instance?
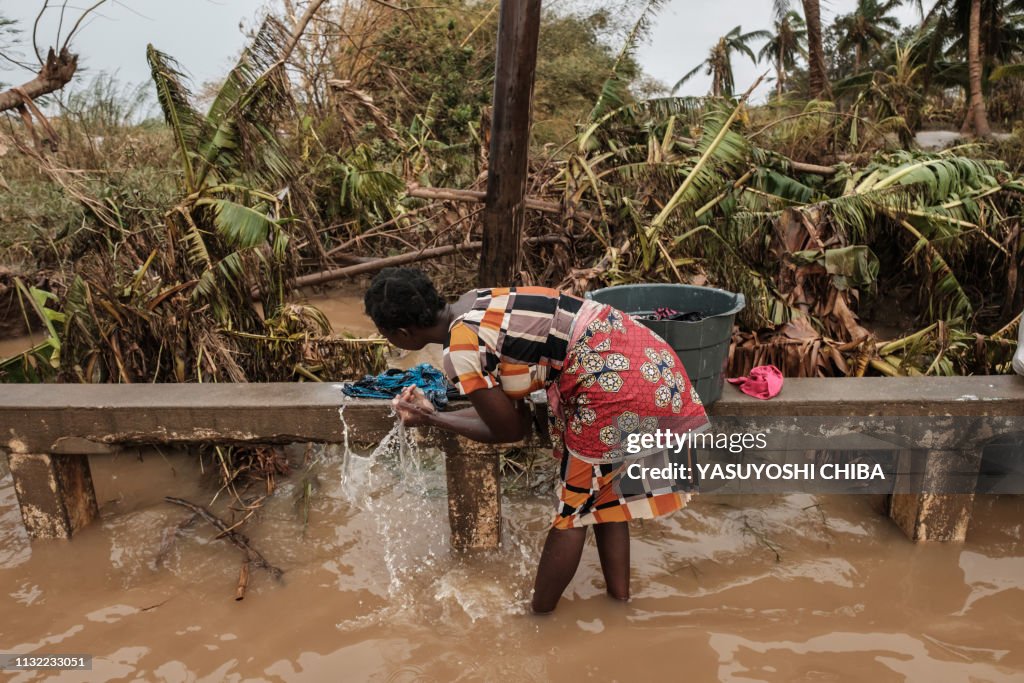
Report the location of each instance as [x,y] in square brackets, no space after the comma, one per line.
[810,250]
[658,190]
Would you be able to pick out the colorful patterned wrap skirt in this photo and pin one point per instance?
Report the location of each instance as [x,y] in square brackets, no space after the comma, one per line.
[619,379]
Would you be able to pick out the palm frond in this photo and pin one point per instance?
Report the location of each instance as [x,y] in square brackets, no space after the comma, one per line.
[689,75]
[720,148]
[241,226]
[1006,71]
[260,56]
[947,287]
[187,126]
[640,114]
[614,95]
[242,118]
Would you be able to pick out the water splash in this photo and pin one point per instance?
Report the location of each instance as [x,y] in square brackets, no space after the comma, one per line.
[402,486]
[476,594]
[393,486]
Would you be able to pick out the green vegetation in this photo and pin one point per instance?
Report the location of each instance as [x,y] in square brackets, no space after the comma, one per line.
[867,29]
[169,250]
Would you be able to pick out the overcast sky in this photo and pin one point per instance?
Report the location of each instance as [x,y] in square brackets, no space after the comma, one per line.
[205,35]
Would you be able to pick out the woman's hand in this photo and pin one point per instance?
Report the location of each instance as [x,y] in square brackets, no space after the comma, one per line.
[413,407]
[413,394]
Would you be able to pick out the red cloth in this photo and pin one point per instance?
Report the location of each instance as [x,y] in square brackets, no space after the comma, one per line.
[764,382]
[619,378]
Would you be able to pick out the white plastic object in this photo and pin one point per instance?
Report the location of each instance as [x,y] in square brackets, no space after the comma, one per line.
[1018,357]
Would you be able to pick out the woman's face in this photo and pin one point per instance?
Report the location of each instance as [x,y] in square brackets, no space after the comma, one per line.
[409,339]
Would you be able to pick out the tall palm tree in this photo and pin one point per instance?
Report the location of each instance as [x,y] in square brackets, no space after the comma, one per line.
[718,64]
[984,32]
[867,28]
[815,48]
[789,40]
[976,111]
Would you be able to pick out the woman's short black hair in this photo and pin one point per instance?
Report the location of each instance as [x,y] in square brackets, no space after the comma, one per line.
[402,297]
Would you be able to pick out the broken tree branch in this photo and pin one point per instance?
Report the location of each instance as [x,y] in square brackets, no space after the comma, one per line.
[252,556]
[325,276]
[35,31]
[55,74]
[78,24]
[299,29]
[170,536]
[478,196]
[34,111]
[801,167]
[377,264]
[243,581]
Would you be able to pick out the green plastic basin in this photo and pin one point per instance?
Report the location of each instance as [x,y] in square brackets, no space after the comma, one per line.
[702,345]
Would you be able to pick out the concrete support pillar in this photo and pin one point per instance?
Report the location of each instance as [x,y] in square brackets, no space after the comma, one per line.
[474,493]
[54,491]
[934,494]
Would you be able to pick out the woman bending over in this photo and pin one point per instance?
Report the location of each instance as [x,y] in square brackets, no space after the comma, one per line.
[607,377]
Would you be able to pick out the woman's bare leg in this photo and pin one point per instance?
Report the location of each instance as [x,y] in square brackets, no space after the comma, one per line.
[558,563]
[613,549]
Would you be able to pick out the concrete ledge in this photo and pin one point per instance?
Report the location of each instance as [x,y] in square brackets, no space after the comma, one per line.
[47,428]
[998,395]
[35,417]
[50,431]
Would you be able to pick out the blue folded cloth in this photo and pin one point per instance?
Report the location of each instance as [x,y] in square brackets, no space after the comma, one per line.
[390,383]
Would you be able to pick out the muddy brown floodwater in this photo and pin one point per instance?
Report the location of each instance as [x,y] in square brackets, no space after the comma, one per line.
[783,588]
[344,309]
[737,589]
[14,345]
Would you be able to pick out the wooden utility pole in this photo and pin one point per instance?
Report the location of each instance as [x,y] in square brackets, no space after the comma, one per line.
[504,210]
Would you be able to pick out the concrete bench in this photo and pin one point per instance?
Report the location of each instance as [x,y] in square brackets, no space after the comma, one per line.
[50,431]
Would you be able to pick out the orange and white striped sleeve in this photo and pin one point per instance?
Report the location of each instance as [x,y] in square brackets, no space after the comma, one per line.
[516,379]
[463,361]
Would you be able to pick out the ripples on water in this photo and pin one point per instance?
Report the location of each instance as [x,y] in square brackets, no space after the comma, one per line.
[752,588]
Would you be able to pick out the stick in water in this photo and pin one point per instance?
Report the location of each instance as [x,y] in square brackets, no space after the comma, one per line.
[243,581]
[252,556]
